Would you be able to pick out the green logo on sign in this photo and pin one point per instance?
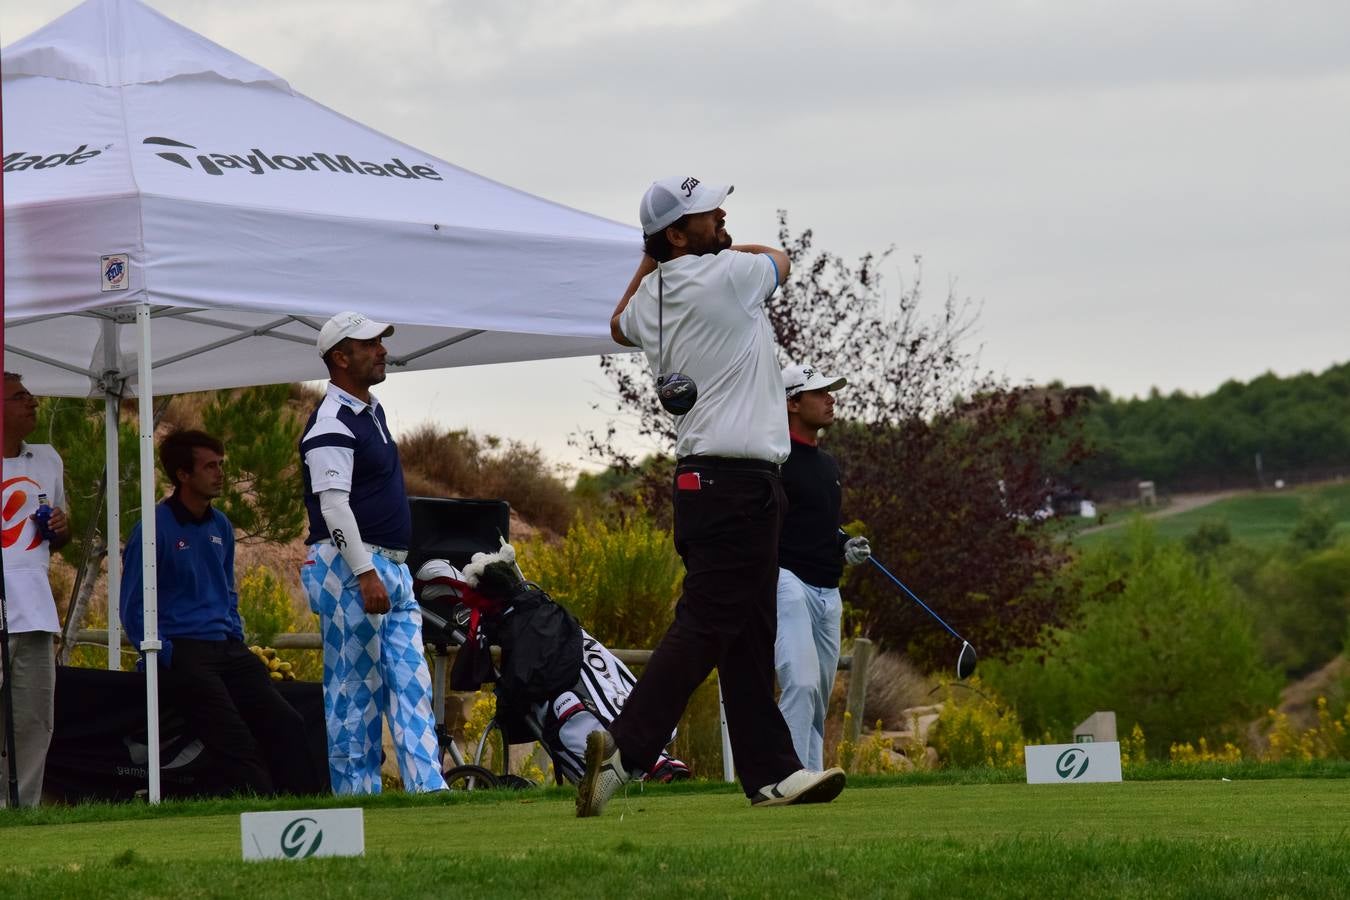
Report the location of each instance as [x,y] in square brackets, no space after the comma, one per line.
[301,838]
[1072,763]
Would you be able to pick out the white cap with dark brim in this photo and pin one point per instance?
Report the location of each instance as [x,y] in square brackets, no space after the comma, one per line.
[350,325]
[800,377]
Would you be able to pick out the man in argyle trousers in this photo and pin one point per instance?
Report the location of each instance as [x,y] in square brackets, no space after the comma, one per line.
[356,574]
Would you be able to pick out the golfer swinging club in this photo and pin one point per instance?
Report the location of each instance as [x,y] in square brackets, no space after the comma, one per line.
[696,308]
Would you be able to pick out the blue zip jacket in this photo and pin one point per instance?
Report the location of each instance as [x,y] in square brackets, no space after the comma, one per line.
[195,575]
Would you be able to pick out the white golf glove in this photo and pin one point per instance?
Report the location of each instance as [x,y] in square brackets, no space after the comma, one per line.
[856,550]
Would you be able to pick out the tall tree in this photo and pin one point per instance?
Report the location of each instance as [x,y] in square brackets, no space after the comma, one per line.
[261,434]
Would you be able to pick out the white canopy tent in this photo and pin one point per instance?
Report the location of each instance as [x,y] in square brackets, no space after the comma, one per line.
[153,177]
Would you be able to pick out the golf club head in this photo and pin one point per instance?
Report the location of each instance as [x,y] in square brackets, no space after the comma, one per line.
[677,393]
[965,663]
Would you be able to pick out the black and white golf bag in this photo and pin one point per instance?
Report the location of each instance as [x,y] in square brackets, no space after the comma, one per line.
[603,687]
[555,684]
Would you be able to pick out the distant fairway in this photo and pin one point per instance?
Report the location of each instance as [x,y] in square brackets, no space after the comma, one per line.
[1257,518]
[889,837]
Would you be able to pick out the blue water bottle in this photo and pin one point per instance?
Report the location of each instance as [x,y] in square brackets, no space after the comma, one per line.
[42,517]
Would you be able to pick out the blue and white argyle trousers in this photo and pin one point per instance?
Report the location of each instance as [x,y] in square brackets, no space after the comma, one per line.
[373,666]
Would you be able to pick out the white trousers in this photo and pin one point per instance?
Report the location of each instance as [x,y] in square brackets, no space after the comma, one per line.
[806,655]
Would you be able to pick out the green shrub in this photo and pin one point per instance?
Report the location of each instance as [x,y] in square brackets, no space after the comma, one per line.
[1315,526]
[1161,640]
[620,580]
[267,609]
[872,755]
[1328,739]
[1209,538]
[976,729]
[1301,603]
[264,605]
[1133,749]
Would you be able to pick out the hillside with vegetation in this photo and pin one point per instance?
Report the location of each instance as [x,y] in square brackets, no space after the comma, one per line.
[1298,427]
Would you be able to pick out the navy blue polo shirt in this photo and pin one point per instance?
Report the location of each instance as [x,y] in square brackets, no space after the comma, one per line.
[347,446]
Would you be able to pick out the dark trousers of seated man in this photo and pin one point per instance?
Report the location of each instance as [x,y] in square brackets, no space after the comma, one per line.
[228,699]
[727,523]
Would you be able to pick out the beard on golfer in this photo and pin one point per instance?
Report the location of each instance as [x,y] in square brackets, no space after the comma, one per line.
[695,306]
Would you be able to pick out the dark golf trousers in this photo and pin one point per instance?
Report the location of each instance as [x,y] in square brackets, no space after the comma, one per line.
[727,522]
[227,697]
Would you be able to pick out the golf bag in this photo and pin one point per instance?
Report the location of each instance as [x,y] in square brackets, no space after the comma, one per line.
[555,684]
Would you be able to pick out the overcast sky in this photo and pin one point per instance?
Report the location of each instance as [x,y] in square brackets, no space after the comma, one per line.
[1137,193]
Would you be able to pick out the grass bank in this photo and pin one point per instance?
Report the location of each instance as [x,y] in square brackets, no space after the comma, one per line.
[1264,517]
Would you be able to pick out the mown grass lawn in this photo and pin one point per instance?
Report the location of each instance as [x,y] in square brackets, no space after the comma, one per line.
[1256,518]
[884,837]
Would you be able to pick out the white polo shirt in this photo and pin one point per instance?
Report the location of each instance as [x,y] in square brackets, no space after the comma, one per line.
[28,590]
[717,333]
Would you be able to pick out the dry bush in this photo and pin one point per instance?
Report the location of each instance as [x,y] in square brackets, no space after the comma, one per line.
[185,410]
[894,685]
[449,459]
[418,485]
[441,463]
[306,395]
[520,475]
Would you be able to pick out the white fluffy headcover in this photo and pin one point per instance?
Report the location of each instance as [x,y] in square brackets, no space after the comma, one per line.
[506,553]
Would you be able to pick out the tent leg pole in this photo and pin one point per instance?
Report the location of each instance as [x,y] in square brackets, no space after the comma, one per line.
[149,548]
[113,493]
[728,763]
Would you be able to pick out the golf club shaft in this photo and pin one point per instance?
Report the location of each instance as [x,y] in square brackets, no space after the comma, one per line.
[915,597]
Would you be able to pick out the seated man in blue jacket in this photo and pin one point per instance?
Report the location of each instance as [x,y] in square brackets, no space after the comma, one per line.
[220,687]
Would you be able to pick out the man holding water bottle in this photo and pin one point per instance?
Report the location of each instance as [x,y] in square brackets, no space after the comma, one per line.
[34,525]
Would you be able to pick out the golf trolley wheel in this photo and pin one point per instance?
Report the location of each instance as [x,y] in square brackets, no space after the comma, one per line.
[470,778]
[492,752]
[515,783]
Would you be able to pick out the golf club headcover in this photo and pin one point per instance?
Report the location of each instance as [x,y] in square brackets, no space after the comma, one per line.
[495,574]
[856,550]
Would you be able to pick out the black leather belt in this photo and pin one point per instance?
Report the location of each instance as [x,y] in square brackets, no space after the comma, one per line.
[729,462]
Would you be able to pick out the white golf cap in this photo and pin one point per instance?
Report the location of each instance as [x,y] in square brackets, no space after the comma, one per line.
[350,325]
[801,377]
[670,198]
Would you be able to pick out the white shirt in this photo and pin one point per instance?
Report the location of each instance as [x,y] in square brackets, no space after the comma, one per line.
[717,333]
[28,590]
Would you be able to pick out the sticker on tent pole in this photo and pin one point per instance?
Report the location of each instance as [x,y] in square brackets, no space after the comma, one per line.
[113,271]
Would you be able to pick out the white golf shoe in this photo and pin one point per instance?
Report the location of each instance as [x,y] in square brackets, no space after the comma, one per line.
[802,786]
[605,774]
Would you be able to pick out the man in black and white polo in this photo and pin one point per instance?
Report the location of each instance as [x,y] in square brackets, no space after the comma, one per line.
[811,556]
[696,306]
[356,574]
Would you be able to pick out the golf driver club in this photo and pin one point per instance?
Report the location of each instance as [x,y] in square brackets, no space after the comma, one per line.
[965,661]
